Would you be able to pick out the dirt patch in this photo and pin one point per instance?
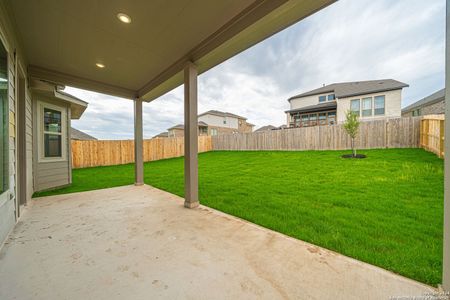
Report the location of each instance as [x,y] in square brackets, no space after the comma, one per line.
[351,156]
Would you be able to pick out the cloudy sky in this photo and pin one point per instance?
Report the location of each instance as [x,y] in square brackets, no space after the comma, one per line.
[351,40]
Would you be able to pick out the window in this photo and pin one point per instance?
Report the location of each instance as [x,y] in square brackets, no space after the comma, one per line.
[313,119]
[367,107]
[213,131]
[52,133]
[331,97]
[305,120]
[332,118]
[355,106]
[297,120]
[224,121]
[4,127]
[378,105]
[416,112]
[203,130]
[322,98]
[322,118]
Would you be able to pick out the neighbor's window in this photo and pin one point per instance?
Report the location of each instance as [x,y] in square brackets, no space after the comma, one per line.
[379,105]
[323,118]
[366,107]
[52,133]
[416,112]
[213,131]
[305,120]
[355,106]
[322,98]
[203,130]
[313,119]
[331,97]
[4,134]
[332,118]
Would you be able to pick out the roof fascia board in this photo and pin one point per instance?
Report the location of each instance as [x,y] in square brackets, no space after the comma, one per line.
[79,82]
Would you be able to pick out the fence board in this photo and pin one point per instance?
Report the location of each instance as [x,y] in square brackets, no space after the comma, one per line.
[391,133]
[106,153]
[432,134]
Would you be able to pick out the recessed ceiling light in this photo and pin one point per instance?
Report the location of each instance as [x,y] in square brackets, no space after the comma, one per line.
[100,65]
[124,18]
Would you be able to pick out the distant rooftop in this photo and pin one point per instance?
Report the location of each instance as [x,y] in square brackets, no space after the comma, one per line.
[76,134]
[162,135]
[348,89]
[266,128]
[433,98]
[181,126]
[221,114]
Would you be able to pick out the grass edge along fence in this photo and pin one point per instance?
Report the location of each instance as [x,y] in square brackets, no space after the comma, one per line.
[412,132]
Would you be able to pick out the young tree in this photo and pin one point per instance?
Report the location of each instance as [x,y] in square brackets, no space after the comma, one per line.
[351,125]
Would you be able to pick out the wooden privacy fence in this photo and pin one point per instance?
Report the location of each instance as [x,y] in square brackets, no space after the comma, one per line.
[392,133]
[432,134]
[106,153]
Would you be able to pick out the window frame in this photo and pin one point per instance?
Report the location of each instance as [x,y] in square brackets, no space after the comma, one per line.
[359,106]
[374,105]
[364,100]
[333,97]
[41,134]
[324,98]
[5,167]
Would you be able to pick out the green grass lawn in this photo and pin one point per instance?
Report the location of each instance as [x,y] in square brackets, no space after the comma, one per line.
[386,210]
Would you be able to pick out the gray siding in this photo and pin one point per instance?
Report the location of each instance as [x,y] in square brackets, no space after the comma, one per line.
[49,175]
[29,144]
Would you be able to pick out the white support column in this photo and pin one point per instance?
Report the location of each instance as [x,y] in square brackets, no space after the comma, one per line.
[446,252]
[138,143]
[190,137]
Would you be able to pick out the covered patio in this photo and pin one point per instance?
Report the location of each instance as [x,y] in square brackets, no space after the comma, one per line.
[138,242]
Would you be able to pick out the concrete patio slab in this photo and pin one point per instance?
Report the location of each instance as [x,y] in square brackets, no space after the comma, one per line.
[138,242]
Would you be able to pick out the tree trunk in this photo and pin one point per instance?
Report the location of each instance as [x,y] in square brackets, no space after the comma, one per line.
[353,148]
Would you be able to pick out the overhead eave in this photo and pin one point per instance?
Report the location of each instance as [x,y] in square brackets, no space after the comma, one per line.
[248,29]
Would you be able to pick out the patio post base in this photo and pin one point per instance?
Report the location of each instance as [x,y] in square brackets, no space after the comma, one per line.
[138,183]
[191,204]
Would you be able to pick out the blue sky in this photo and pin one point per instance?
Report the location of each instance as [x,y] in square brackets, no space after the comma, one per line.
[351,40]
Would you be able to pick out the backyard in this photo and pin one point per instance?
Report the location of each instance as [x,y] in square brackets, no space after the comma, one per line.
[386,210]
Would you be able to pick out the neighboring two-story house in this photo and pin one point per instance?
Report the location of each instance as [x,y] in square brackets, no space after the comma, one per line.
[374,99]
[214,122]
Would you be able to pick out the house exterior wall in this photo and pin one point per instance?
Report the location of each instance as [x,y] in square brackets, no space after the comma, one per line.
[244,126]
[8,201]
[393,103]
[225,122]
[51,173]
[436,108]
[175,132]
[307,101]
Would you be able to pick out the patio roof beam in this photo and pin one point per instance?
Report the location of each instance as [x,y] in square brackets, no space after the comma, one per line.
[138,143]
[78,82]
[190,137]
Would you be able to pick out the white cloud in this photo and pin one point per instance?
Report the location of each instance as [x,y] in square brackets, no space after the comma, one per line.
[348,41]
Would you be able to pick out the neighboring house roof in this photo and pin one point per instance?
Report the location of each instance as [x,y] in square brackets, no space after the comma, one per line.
[76,134]
[315,108]
[221,114]
[431,99]
[162,135]
[181,126]
[266,128]
[348,89]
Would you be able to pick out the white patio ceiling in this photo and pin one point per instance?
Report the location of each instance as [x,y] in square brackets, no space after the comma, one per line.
[63,40]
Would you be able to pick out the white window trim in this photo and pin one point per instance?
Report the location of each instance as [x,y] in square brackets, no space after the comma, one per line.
[384,106]
[40,125]
[371,107]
